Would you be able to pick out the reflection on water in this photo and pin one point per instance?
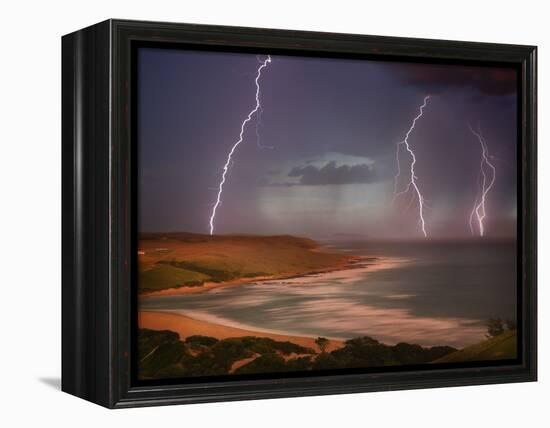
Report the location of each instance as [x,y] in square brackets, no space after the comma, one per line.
[425,293]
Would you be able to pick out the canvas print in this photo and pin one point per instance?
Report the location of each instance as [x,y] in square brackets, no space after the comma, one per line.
[307,214]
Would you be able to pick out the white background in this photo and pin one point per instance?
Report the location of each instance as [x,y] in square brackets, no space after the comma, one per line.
[30,214]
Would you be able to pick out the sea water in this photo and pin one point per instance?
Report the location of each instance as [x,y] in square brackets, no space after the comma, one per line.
[426,293]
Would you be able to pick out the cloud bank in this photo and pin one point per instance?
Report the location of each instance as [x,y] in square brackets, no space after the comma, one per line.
[330,173]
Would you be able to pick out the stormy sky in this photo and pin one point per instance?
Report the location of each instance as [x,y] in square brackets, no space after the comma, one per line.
[321,160]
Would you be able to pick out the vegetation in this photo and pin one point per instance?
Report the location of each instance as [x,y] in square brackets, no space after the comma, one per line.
[267,363]
[368,352]
[164,276]
[189,260]
[159,351]
[503,346]
[199,342]
[212,274]
[495,327]
[163,355]
[322,343]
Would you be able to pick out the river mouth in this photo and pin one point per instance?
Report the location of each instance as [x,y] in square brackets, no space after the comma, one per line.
[430,295]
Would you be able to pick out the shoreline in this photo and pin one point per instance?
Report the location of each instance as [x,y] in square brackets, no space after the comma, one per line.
[186,326]
[351,262]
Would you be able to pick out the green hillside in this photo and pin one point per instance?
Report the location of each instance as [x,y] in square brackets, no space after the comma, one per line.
[501,347]
[175,260]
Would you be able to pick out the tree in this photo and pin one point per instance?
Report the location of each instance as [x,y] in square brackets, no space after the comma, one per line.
[495,327]
[322,343]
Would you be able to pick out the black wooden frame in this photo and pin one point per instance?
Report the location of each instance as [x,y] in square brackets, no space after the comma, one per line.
[98,202]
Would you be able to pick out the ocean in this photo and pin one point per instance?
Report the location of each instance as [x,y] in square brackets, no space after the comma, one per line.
[427,293]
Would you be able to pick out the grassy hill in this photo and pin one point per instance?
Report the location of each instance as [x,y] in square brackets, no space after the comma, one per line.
[173,260]
[503,346]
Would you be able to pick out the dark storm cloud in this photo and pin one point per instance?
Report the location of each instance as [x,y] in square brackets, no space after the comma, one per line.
[487,81]
[332,174]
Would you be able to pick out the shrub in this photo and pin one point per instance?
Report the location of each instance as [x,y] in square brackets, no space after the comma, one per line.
[322,343]
[268,363]
[198,340]
[325,361]
[495,327]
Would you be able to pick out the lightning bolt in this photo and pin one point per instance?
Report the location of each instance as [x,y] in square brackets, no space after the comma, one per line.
[259,122]
[412,184]
[479,211]
[263,64]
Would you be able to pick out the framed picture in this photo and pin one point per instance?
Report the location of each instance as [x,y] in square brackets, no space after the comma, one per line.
[252,213]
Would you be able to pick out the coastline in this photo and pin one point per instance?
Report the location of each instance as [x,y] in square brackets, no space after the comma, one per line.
[350,262]
[411,328]
[186,326]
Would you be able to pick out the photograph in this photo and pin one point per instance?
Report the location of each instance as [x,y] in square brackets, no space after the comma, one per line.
[319,214]
[275,214]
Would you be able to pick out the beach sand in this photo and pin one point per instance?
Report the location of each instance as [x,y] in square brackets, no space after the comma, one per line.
[186,326]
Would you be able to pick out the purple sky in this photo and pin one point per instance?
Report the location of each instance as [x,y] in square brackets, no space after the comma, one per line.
[333,125]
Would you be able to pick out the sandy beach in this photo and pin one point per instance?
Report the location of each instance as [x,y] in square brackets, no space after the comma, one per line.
[186,326]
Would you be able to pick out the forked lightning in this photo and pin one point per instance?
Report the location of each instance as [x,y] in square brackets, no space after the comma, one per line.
[257,107]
